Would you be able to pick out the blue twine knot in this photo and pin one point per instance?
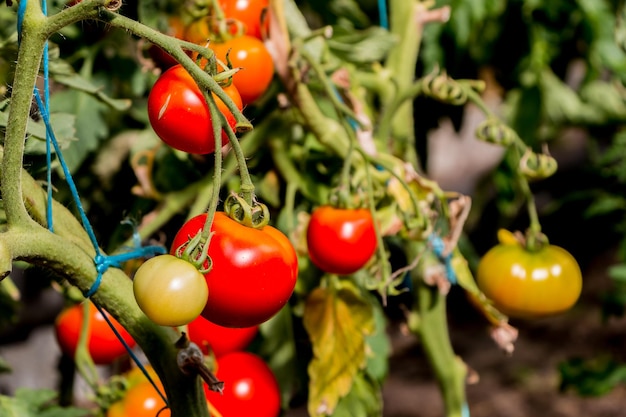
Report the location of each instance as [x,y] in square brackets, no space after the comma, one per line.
[439,248]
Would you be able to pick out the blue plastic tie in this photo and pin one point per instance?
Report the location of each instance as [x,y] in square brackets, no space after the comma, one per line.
[382,14]
[439,247]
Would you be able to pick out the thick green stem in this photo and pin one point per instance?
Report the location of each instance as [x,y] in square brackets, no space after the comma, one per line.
[432,329]
[401,62]
[33,39]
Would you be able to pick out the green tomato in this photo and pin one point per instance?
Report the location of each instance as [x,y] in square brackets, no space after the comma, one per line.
[170,290]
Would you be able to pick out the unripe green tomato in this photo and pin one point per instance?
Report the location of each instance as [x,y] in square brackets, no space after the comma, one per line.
[529,284]
[170,290]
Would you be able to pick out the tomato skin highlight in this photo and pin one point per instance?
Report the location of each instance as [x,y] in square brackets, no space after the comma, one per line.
[220,340]
[250,387]
[254,270]
[104,347]
[169,290]
[529,284]
[257,67]
[341,241]
[180,116]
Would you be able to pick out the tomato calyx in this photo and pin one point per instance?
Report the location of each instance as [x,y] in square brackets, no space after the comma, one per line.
[255,214]
[190,361]
[196,252]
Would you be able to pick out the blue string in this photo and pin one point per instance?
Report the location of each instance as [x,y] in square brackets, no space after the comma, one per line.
[130,352]
[382,14]
[102,262]
[439,247]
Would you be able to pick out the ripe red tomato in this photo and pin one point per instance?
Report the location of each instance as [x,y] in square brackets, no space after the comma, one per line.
[253,14]
[218,339]
[257,67]
[180,116]
[254,270]
[170,290]
[104,347]
[250,387]
[340,241]
[529,284]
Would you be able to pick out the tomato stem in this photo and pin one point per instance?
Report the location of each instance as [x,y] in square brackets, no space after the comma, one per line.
[84,363]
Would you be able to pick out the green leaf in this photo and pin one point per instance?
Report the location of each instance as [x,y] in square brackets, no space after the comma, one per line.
[370,45]
[91,126]
[592,377]
[363,400]
[279,350]
[337,320]
[379,346]
[36,403]
[604,205]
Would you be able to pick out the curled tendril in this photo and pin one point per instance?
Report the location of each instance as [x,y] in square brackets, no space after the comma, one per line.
[255,215]
[443,88]
[196,251]
[492,130]
[113,5]
[536,166]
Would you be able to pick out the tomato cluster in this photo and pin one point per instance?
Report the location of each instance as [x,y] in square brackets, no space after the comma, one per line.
[253,271]
[102,343]
[526,283]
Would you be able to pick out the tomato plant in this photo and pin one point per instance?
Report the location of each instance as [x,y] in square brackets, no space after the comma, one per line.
[218,339]
[103,345]
[254,270]
[529,283]
[252,14]
[250,387]
[257,68]
[169,290]
[179,114]
[340,241]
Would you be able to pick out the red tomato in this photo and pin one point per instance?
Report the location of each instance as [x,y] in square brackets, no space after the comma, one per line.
[252,14]
[250,387]
[257,67]
[340,241]
[254,270]
[104,347]
[180,116]
[218,339]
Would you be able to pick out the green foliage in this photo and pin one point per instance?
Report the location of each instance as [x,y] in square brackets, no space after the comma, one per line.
[592,377]
[36,403]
